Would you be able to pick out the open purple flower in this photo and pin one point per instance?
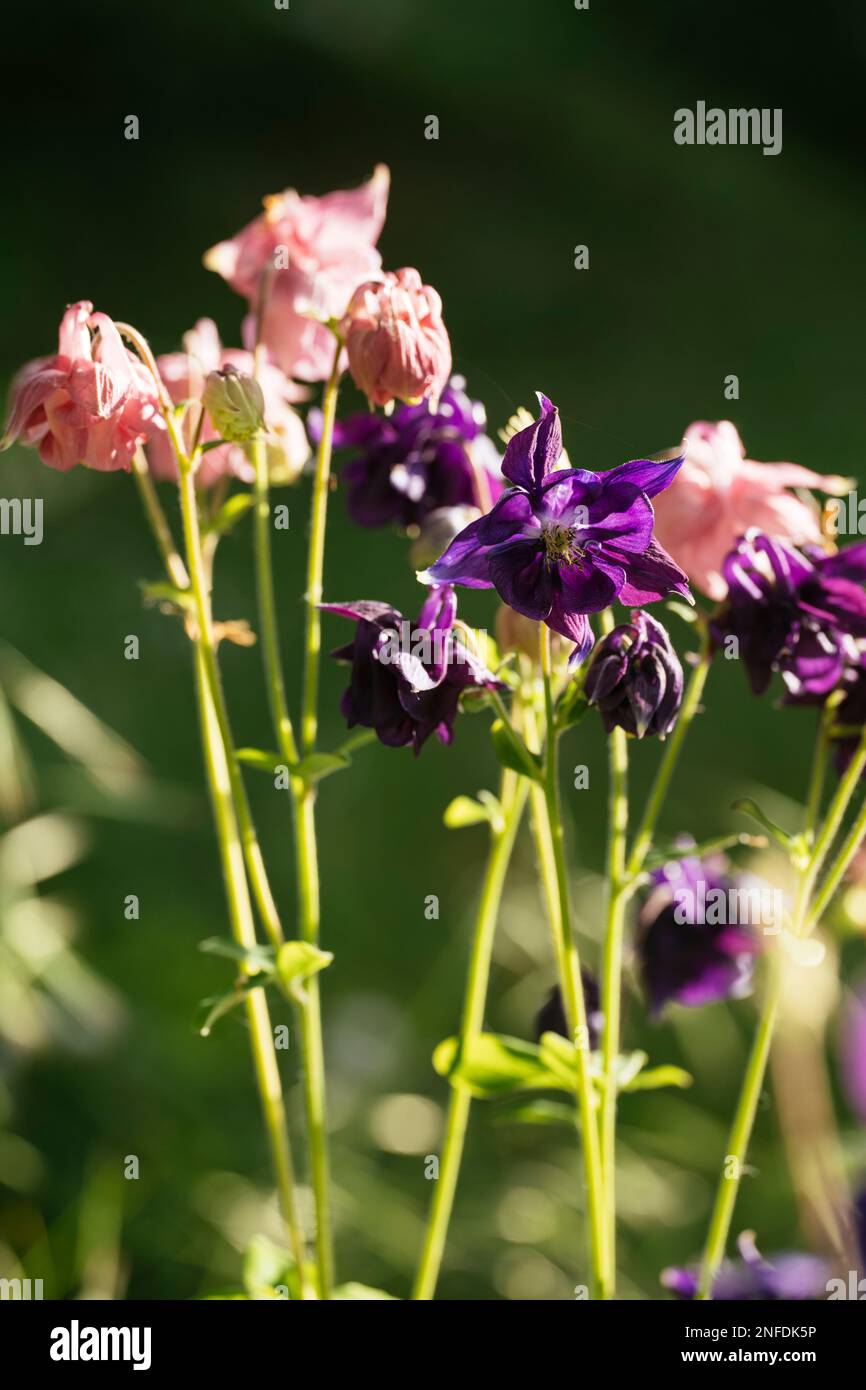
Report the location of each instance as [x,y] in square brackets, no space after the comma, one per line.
[789,1277]
[798,612]
[635,678]
[562,543]
[693,945]
[407,679]
[551,1016]
[417,460]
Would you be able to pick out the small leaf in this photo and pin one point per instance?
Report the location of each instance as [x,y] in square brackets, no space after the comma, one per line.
[318,765]
[261,759]
[297,961]
[167,595]
[362,1293]
[491,1064]
[220,1004]
[539,1111]
[463,810]
[513,753]
[257,958]
[264,1265]
[655,1077]
[748,807]
[628,1066]
[670,853]
[572,707]
[229,514]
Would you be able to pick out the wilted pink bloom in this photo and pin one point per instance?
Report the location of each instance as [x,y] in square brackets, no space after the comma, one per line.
[398,345]
[93,403]
[719,494]
[185,374]
[319,250]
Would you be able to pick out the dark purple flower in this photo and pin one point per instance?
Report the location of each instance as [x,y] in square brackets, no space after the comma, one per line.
[797,612]
[689,949]
[417,460]
[407,679]
[789,1277]
[635,678]
[562,543]
[551,1016]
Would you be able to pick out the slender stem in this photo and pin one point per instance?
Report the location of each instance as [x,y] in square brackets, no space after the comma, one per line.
[267,609]
[611,973]
[740,1135]
[243,930]
[513,797]
[839,867]
[543,839]
[316,559]
[690,706]
[175,568]
[573,998]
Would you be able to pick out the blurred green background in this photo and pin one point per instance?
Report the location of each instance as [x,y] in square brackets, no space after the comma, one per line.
[556,129]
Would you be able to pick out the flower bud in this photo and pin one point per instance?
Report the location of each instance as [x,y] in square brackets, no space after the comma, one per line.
[635,678]
[397,344]
[235,404]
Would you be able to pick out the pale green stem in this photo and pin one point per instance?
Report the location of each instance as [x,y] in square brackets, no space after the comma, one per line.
[690,706]
[513,794]
[573,998]
[611,974]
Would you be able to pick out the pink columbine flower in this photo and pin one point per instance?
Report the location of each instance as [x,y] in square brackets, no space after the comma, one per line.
[318,251]
[93,403]
[397,344]
[185,374]
[719,494]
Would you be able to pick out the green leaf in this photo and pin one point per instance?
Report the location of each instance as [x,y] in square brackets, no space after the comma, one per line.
[464,810]
[163,593]
[362,1293]
[229,514]
[220,1004]
[318,765]
[259,958]
[513,753]
[572,707]
[655,1077]
[666,854]
[264,1265]
[491,1064]
[261,759]
[748,807]
[538,1111]
[297,961]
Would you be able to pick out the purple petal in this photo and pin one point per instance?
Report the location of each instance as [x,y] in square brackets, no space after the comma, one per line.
[466,561]
[365,611]
[533,452]
[651,477]
[588,588]
[650,576]
[522,577]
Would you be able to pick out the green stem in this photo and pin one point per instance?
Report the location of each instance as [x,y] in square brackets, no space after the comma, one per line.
[243,930]
[690,706]
[316,560]
[838,868]
[573,998]
[611,973]
[513,797]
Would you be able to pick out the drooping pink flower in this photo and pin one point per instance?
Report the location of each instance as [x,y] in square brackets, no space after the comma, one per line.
[318,250]
[93,403]
[719,494]
[185,373]
[397,344]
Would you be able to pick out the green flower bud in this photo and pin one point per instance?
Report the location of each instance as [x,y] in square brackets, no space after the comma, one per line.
[235,404]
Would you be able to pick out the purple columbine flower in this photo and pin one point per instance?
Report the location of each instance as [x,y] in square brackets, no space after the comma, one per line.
[562,543]
[635,678]
[789,1277]
[551,1016]
[794,611]
[688,951]
[407,678]
[417,460]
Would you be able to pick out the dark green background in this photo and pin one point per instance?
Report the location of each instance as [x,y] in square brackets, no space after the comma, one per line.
[556,128]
